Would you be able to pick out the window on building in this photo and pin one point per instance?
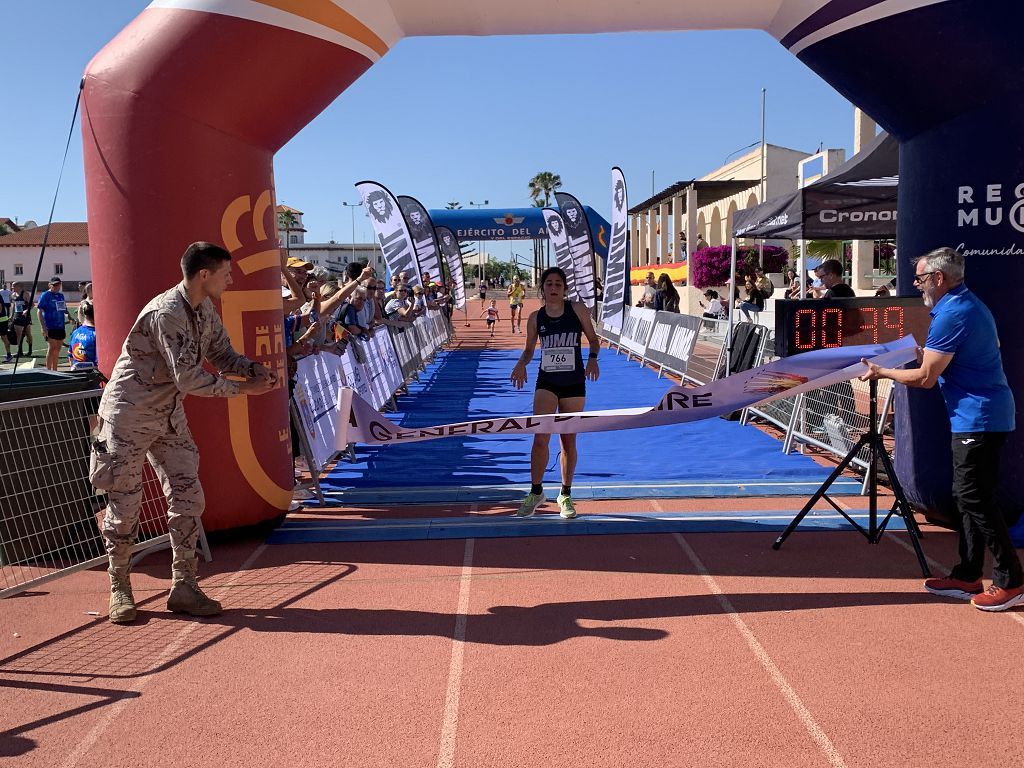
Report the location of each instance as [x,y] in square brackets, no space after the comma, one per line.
[293,239]
[19,269]
[58,269]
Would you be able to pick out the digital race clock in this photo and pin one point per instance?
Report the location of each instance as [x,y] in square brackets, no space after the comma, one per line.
[803,325]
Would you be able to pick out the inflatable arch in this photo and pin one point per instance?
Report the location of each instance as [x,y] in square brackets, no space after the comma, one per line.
[184,109]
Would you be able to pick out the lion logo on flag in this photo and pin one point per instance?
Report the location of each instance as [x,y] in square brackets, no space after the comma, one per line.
[619,195]
[379,206]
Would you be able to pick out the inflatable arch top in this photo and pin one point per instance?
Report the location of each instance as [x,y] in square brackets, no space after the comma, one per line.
[184,109]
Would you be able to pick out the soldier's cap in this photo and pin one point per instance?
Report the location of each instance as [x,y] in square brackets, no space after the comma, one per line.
[55,280]
[297,263]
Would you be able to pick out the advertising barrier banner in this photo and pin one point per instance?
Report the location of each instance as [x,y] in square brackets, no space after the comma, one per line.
[785,377]
[391,230]
[615,281]
[318,380]
[636,329]
[672,340]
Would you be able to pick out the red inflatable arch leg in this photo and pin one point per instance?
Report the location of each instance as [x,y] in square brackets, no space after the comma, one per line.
[180,134]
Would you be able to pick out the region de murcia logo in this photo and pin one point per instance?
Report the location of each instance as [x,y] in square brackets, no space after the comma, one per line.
[379,206]
[987,205]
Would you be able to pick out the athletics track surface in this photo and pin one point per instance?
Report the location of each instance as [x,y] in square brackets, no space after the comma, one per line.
[699,649]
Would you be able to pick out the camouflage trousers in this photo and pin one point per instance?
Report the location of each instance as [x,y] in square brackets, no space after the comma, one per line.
[116,466]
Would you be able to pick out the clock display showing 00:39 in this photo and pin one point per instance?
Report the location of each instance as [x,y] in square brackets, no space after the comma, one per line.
[803,325]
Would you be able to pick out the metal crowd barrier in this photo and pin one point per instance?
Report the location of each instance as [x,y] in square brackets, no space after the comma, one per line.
[50,514]
[830,419]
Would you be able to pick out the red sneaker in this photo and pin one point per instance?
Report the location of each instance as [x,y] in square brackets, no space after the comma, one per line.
[998,599]
[950,587]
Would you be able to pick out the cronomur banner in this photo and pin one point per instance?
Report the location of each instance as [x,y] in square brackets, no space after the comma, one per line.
[422,230]
[581,246]
[560,244]
[615,267]
[449,245]
[786,377]
[391,230]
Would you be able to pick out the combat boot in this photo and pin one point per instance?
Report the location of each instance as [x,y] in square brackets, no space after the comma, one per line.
[122,601]
[186,596]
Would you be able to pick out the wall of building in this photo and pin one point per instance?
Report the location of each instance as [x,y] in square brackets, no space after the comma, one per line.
[71,262]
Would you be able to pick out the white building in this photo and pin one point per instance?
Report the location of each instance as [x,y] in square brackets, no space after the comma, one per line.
[331,255]
[67,255]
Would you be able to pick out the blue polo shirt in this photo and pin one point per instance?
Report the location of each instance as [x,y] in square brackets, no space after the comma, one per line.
[53,308]
[973,385]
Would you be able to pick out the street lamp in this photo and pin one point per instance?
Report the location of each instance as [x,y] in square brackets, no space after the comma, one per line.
[479,243]
[352,207]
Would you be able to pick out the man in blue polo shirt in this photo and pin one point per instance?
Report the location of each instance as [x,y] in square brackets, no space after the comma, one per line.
[53,314]
[962,356]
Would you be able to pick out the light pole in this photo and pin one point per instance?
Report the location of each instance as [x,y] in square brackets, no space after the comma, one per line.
[479,243]
[352,208]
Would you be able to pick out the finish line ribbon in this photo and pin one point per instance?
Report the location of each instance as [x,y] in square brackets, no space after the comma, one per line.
[789,376]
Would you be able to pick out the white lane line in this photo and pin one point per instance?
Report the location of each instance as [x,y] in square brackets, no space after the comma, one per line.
[803,714]
[937,566]
[115,709]
[450,722]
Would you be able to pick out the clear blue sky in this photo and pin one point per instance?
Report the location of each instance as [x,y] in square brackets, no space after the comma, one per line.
[512,110]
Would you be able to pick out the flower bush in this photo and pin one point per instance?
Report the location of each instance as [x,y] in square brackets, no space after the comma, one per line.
[710,266]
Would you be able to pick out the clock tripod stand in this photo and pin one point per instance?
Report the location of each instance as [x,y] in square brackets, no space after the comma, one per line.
[872,440]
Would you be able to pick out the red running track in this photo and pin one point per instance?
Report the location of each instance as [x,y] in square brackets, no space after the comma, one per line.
[653,650]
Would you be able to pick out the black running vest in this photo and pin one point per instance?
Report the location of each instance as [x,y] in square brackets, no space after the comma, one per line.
[561,361]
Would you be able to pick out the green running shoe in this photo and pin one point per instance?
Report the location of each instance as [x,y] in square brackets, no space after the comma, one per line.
[530,504]
[566,507]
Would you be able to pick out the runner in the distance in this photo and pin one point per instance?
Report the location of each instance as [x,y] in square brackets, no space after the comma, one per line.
[561,381]
[516,294]
[492,315]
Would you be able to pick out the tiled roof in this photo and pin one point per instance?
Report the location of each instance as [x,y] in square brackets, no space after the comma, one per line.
[61,233]
[283,208]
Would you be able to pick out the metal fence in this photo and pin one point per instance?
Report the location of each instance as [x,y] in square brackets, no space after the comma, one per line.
[830,419]
[50,514]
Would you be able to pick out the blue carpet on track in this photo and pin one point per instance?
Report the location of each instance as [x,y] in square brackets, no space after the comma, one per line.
[492,527]
[712,457]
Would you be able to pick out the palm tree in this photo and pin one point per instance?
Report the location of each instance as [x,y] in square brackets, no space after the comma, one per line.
[453,206]
[544,184]
[287,219]
[538,248]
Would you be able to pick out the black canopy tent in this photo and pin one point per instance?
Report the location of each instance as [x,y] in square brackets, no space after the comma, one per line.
[857,201]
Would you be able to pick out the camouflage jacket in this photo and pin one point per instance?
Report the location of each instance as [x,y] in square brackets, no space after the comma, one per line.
[162,361]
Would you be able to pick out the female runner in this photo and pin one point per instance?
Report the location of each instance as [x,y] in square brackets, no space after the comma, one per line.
[561,381]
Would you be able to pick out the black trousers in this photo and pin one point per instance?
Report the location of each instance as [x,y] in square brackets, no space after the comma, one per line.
[975,474]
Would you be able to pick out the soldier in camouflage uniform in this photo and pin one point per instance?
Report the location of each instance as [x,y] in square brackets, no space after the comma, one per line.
[141,415]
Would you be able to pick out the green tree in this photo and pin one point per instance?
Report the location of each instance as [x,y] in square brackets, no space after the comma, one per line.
[286,220]
[543,185]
